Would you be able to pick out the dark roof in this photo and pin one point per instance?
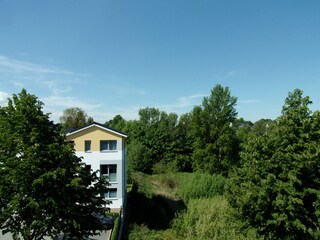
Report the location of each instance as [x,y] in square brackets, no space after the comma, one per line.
[71,131]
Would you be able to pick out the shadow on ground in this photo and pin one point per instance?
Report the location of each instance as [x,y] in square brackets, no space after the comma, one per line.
[156,212]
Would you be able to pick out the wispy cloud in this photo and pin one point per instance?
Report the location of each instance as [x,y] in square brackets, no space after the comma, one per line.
[183,103]
[24,73]
[226,75]
[3,98]
[23,66]
[249,101]
[59,89]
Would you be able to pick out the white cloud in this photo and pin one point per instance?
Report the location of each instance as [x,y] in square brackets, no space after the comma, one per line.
[24,73]
[59,89]
[23,66]
[57,104]
[4,97]
[183,104]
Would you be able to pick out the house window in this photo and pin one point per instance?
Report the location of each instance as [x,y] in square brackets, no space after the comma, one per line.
[111,193]
[88,168]
[108,145]
[109,171]
[87,145]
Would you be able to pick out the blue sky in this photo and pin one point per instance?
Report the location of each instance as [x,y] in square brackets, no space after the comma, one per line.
[115,57]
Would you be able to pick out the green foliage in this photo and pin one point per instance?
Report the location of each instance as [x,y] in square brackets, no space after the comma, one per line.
[277,188]
[215,142]
[115,229]
[158,212]
[139,158]
[261,126]
[158,138]
[197,185]
[142,232]
[75,117]
[44,188]
[243,129]
[118,122]
[210,218]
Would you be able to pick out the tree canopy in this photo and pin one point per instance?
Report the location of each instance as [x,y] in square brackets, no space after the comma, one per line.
[215,142]
[44,188]
[277,189]
[74,118]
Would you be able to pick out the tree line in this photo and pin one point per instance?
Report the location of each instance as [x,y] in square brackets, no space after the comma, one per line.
[272,166]
[207,139]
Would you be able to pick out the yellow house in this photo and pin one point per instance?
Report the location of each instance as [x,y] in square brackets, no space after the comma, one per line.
[104,149]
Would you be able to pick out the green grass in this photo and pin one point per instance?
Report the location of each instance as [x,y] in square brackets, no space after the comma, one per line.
[116,226]
[182,206]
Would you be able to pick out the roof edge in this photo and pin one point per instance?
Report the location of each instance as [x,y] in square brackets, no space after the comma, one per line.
[97,125]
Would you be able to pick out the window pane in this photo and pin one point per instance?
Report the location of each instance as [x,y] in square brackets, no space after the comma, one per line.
[113,173]
[104,170]
[88,168]
[112,193]
[108,145]
[113,177]
[113,145]
[87,145]
[103,145]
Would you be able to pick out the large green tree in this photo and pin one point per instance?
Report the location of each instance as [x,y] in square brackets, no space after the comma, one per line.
[153,131]
[277,189]
[215,141]
[44,188]
[75,117]
[118,123]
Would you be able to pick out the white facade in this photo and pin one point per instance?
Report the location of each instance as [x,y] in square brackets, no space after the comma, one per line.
[104,150]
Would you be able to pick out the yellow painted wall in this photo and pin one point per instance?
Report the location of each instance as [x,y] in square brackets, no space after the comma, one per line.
[95,134]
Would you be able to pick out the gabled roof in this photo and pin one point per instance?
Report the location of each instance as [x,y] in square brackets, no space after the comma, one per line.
[99,125]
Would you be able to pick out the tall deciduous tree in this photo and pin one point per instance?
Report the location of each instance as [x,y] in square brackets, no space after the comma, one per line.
[44,188]
[215,141]
[118,123]
[277,190]
[75,118]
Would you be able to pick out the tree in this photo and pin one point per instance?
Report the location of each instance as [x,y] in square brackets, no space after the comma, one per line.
[277,189]
[179,152]
[118,123]
[243,129]
[139,158]
[215,141]
[74,118]
[44,188]
[261,126]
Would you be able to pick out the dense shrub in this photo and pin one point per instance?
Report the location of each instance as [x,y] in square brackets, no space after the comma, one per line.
[142,232]
[210,218]
[199,185]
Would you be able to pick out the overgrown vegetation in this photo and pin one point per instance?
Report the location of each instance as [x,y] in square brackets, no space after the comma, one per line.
[165,207]
[271,168]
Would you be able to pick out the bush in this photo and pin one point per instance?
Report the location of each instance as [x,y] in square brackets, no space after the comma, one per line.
[197,185]
[210,218]
[116,218]
[142,232]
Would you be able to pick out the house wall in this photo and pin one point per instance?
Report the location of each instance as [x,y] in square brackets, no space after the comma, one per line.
[95,158]
[95,134]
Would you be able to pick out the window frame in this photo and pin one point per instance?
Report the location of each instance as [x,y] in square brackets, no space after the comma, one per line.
[107,144]
[107,194]
[108,167]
